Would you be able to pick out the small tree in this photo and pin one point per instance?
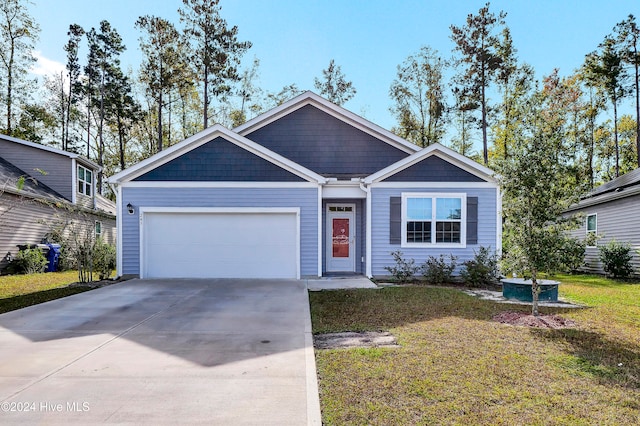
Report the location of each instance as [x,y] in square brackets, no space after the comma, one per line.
[334,85]
[534,202]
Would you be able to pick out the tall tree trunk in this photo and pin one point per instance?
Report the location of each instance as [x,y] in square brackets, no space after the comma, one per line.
[63,115]
[88,121]
[10,88]
[615,134]
[160,121]
[206,97]
[121,140]
[635,61]
[100,135]
[485,149]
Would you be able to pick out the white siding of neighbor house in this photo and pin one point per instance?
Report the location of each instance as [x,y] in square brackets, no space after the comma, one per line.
[304,198]
[617,219]
[57,168]
[25,220]
[381,248]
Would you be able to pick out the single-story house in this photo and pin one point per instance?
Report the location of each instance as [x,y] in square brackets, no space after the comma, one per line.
[306,189]
[610,214]
[44,189]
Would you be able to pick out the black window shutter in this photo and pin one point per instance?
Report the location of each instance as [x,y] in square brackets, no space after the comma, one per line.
[472,220]
[395,220]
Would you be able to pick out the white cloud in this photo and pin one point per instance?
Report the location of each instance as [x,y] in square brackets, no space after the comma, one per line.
[45,66]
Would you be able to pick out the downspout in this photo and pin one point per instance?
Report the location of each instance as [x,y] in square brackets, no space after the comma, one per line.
[74,181]
[320,245]
[367,190]
[118,191]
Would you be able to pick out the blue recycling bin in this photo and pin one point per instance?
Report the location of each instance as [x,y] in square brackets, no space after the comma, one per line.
[53,257]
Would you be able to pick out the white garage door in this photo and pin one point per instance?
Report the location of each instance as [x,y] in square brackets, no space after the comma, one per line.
[220,244]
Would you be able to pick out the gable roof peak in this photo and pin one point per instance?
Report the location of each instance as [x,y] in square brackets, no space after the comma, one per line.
[317,101]
[441,151]
[204,137]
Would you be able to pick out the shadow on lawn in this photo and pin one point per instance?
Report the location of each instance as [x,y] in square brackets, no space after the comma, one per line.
[22,301]
[593,354]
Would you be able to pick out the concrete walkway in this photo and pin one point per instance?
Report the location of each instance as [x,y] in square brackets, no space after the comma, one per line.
[339,283]
[163,352]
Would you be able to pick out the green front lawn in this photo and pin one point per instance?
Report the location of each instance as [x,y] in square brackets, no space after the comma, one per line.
[19,291]
[457,366]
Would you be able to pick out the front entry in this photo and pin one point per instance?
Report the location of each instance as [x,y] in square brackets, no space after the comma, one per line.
[341,238]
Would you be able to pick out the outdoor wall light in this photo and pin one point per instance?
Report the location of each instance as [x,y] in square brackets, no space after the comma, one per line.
[130,208]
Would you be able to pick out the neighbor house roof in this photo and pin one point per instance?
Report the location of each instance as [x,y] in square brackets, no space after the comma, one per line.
[51,149]
[621,187]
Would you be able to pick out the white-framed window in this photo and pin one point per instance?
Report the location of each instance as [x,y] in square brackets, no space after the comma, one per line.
[98,228]
[434,219]
[592,229]
[85,181]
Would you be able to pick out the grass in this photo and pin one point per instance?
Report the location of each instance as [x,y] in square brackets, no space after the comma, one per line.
[457,366]
[20,291]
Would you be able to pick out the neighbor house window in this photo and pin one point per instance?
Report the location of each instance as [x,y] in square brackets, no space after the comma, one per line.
[592,229]
[98,228]
[85,180]
[430,219]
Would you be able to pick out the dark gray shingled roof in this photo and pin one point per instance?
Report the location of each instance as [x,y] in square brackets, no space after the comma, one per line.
[10,175]
[630,179]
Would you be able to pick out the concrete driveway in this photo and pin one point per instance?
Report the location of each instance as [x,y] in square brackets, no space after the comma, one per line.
[163,352]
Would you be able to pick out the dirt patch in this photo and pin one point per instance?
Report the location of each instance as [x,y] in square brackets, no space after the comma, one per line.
[528,320]
[98,284]
[368,339]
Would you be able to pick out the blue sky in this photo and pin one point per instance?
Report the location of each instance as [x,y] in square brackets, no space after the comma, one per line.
[295,39]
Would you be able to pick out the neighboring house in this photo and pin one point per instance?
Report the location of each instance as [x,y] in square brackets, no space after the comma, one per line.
[306,189]
[58,190]
[611,212]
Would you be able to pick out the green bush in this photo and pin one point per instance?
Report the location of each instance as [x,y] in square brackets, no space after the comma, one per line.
[29,261]
[104,259]
[404,270]
[616,259]
[437,270]
[573,251]
[482,269]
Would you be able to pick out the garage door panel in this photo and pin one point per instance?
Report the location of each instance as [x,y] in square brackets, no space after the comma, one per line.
[221,245]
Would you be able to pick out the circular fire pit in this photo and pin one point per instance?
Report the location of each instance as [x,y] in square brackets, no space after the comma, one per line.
[520,289]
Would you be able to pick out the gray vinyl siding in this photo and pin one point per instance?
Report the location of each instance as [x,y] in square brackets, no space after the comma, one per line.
[380,217]
[304,198]
[25,220]
[617,219]
[325,144]
[361,230]
[58,168]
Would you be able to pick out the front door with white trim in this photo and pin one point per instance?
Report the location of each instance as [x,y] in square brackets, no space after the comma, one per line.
[341,238]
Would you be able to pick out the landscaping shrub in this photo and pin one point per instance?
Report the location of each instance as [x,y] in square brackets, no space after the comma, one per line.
[104,259]
[482,269]
[404,270]
[29,261]
[616,259]
[437,270]
[573,252]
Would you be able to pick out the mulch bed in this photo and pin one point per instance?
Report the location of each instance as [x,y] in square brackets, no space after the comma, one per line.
[528,320]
